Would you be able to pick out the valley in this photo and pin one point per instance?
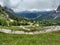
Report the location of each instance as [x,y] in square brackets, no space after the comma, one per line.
[19,30]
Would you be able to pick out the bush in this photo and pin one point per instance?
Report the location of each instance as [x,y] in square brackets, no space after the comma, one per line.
[3,22]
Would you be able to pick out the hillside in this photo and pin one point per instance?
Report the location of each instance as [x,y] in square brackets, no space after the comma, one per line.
[4,14]
[4,17]
[7,17]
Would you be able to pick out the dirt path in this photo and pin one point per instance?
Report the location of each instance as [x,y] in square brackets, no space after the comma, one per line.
[51,29]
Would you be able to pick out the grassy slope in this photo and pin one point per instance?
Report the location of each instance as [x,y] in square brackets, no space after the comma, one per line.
[41,39]
[11,16]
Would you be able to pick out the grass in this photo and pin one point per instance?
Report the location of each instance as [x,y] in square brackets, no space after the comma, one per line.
[40,39]
[11,27]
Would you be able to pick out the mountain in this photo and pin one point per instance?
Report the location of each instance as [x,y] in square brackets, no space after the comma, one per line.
[33,14]
[28,14]
[3,13]
[39,15]
[57,14]
[52,15]
[6,17]
[12,14]
[8,9]
[58,9]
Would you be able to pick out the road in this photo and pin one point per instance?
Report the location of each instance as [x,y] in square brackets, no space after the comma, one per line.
[51,29]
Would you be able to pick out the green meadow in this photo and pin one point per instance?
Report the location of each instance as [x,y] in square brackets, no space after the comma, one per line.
[52,38]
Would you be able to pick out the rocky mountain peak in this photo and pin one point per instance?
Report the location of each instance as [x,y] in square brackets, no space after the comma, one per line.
[58,9]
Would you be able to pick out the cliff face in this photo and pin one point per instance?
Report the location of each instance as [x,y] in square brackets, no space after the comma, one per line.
[58,9]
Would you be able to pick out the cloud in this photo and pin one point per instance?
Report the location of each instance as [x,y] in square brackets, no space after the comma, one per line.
[11,3]
[1,3]
[20,5]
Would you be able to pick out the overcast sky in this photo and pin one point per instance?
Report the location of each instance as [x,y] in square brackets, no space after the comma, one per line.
[20,5]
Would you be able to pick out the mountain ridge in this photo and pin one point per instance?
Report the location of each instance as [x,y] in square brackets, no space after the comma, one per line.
[32,14]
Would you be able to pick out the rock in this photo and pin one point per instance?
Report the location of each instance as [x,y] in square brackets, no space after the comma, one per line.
[58,9]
